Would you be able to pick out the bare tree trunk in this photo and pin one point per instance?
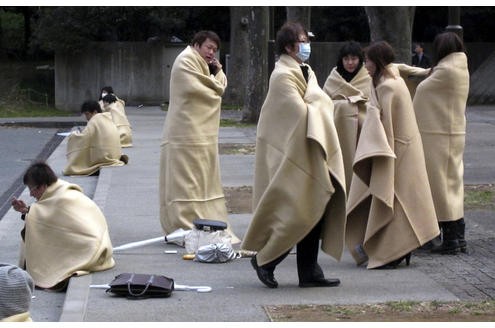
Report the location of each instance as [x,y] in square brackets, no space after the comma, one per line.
[300,14]
[257,78]
[238,61]
[394,25]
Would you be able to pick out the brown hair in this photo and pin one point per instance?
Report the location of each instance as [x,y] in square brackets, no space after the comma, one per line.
[201,37]
[288,35]
[381,53]
[444,44]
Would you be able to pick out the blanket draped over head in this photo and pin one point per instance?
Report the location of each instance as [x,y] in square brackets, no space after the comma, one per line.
[390,208]
[96,146]
[117,110]
[66,234]
[440,106]
[299,174]
[190,185]
[349,100]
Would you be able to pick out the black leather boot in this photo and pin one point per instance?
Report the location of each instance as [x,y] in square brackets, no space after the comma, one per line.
[460,229]
[450,242]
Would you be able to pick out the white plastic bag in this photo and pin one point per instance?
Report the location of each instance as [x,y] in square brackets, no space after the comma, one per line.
[215,253]
[197,238]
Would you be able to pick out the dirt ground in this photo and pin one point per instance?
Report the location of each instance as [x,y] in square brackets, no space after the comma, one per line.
[387,312]
[239,200]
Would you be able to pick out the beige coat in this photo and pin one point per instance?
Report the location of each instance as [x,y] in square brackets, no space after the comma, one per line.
[96,146]
[66,234]
[117,110]
[190,185]
[299,174]
[21,317]
[412,75]
[390,211]
[440,106]
[349,99]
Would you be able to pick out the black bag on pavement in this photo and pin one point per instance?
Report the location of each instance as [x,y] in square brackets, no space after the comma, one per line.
[138,286]
[209,225]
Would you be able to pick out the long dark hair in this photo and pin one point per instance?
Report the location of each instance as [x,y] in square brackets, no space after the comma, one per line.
[381,53]
[444,44]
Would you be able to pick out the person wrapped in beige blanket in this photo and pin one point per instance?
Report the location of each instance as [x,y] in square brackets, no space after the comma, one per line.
[190,185]
[349,87]
[390,211]
[299,187]
[440,106]
[65,232]
[117,109]
[96,146]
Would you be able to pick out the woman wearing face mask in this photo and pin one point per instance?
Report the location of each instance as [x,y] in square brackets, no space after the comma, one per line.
[299,191]
[392,212]
[349,86]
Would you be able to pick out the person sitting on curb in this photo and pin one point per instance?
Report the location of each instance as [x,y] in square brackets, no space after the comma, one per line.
[65,232]
[114,107]
[16,289]
[96,146]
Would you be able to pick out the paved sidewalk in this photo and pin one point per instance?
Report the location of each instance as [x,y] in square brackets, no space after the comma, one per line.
[128,196]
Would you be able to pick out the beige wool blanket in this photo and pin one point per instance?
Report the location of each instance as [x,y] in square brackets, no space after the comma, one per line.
[96,146]
[299,174]
[440,106]
[390,208]
[66,234]
[412,75]
[119,117]
[349,100]
[190,185]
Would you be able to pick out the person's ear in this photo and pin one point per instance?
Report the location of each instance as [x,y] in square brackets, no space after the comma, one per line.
[290,48]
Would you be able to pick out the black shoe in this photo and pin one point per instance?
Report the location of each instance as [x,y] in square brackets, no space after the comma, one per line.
[265,276]
[394,264]
[320,282]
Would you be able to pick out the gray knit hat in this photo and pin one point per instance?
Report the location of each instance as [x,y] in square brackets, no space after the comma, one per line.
[16,288]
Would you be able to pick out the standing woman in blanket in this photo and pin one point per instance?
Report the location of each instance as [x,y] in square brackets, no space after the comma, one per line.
[391,213]
[440,106]
[349,87]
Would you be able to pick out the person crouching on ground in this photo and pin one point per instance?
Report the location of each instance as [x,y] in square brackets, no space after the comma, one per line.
[16,289]
[299,186]
[117,110]
[96,146]
[65,232]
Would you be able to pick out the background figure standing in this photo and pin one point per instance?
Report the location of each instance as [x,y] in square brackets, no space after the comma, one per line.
[349,87]
[440,105]
[16,289]
[394,214]
[420,59]
[299,186]
[190,184]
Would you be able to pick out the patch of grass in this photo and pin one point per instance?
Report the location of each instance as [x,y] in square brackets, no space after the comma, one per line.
[479,196]
[30,110]
[234,123]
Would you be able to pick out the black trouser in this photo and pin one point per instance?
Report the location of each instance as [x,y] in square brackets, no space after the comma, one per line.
[307,256]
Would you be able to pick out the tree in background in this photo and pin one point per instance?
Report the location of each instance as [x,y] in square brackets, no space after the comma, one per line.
[257,77]
[394,25]
[239,55]
[301,15]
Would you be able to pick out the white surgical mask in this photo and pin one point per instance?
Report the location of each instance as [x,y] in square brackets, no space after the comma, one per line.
[103,94]
[304,51]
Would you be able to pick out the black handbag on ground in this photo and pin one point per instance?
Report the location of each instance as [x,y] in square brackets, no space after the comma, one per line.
[209,225]
[137,285]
